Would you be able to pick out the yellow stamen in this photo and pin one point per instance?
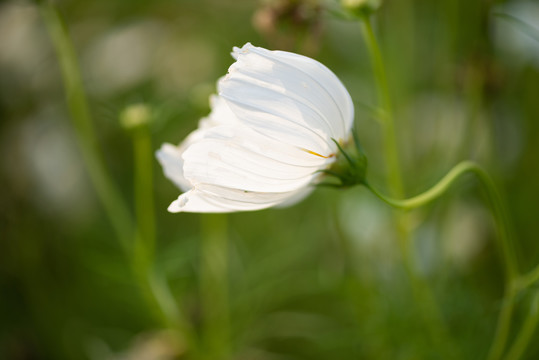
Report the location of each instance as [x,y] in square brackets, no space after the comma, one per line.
[317,154]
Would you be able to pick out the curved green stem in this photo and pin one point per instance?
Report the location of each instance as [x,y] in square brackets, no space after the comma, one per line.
[396,189]
[421,289]
[493,196]
[505,245]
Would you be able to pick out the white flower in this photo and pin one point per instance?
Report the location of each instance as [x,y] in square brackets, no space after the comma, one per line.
[269,133]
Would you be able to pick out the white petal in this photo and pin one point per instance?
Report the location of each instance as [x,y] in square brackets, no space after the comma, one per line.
[235,157]
[256,142]
[220,114]
[170,158]
[194,201]
[254,77]
[301,79]
[297,197]
[210,198]
[277,115]
[328,81]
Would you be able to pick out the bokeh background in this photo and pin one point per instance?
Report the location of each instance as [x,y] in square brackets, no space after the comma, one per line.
[323,279]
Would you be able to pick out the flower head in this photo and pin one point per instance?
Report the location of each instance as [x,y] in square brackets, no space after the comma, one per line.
[270,132]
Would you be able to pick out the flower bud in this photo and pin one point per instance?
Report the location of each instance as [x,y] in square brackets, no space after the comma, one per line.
[288,23]
[135,115]
[361,7]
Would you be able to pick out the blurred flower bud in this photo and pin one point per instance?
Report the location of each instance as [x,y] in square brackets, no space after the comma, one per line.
[135,115]
[285,24]
[361,7]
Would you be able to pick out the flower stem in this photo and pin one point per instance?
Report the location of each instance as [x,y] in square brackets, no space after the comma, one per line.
[504,324]
[214,286]
[504,242]
[396,188]
[385,107]
[421,289]
[107,192]
[526,332]
[144,241]
[144,202]
[530,278]
[155,293]
[443,185]
[153,285]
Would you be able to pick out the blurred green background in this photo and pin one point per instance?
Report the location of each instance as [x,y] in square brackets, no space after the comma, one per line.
[323,279]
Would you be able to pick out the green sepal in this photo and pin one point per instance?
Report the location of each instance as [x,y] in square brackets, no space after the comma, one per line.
[350,168]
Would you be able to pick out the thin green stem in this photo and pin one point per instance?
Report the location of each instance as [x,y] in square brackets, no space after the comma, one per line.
[431,194]
[107,192]
[144,241]
[144,201]
[154,286]
[502,220]
[421,289]
[530,278]
[156,294]
[526,332]
[386,110]
[396,189]
[214,286]
[505,246]
[164,307]
[504,323]
[443,185]
[430,311]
